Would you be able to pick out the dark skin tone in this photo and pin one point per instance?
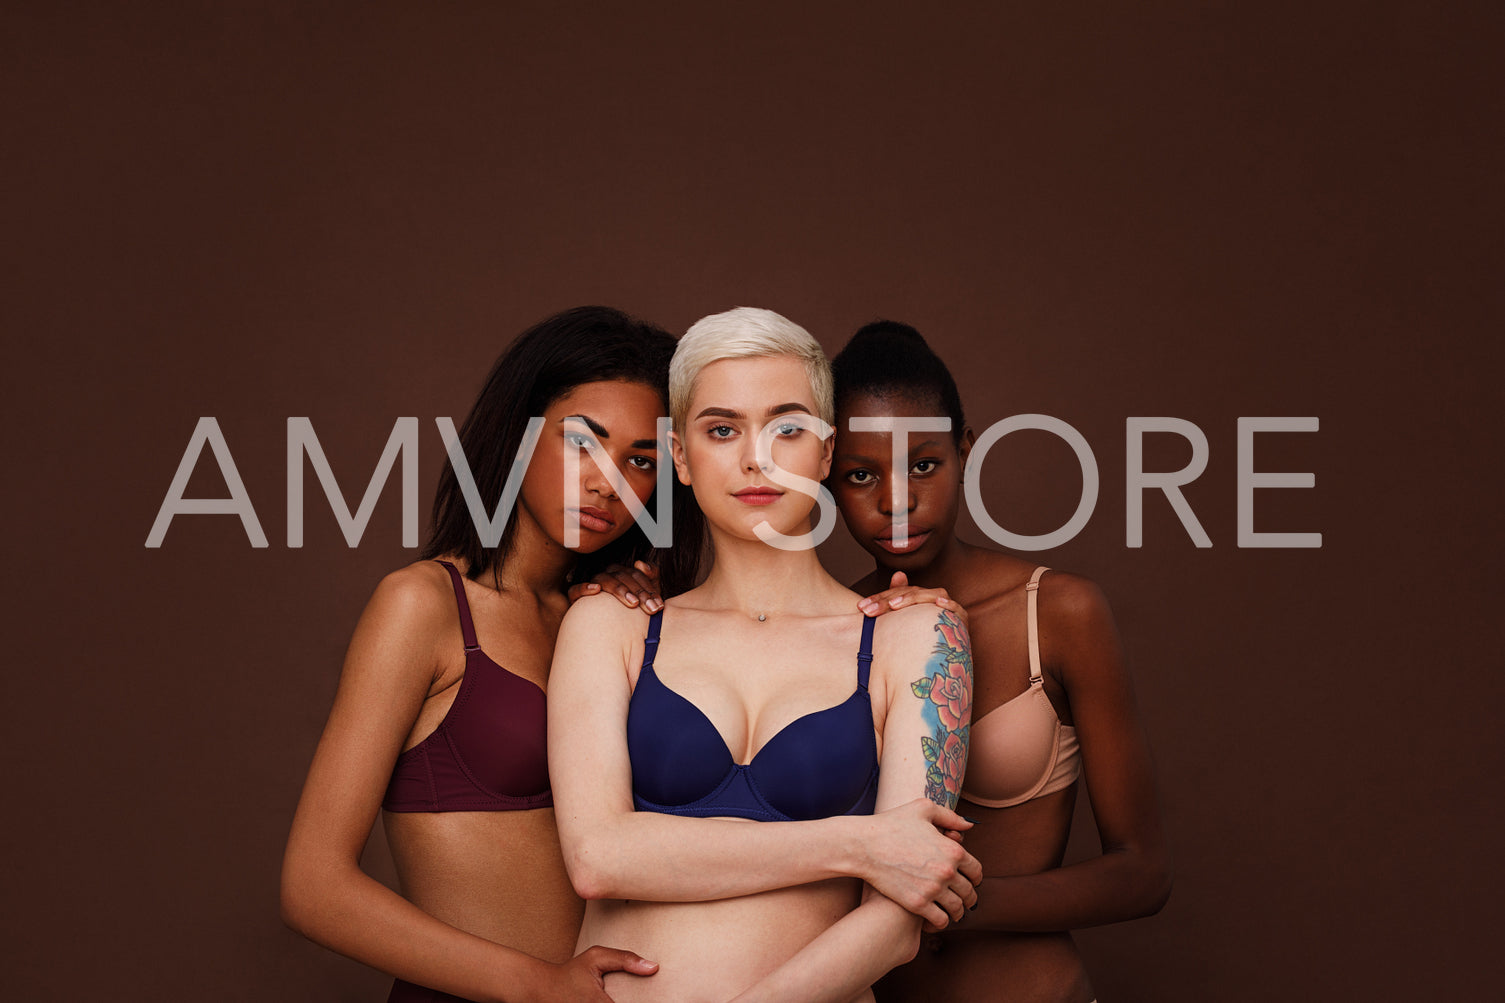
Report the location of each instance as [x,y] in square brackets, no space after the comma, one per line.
[1008,947]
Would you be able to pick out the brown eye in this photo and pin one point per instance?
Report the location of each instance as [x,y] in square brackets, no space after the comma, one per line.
[924,467]
[859,477]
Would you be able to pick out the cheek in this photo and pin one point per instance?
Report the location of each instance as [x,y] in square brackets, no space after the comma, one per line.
[641,482]
[543,484]
[939,500]
[858,504]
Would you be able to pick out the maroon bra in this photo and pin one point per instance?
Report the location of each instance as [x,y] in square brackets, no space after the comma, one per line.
[490,751]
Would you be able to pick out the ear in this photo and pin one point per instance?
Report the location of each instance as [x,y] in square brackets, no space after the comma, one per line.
[830,451]
[677,451]
[964,449]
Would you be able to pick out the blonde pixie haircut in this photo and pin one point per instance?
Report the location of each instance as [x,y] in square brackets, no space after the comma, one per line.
[746,333]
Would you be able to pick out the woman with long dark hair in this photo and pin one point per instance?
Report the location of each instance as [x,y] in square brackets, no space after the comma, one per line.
[1054,701]
[438,724]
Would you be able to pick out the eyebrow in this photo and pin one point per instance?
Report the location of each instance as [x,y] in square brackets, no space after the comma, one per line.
[726,412]
[601,432]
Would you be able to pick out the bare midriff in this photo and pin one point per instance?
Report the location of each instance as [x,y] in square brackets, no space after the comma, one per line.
[711,951]
[496,874]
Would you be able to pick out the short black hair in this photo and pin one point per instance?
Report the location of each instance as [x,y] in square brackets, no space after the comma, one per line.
[890,359]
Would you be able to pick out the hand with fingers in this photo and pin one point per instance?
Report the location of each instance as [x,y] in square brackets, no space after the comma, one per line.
[913,855]
[583,977]
[636,586]
[900,594]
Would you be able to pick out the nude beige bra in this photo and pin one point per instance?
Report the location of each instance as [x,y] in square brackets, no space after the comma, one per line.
[1020,750]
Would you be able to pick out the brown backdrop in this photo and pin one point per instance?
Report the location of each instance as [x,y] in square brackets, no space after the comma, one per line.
[256,211]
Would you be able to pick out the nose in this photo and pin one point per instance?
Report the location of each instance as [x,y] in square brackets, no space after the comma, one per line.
[593,480]
[897,498]
[750,456]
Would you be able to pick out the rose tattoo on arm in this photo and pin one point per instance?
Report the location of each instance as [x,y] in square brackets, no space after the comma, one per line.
[947,692]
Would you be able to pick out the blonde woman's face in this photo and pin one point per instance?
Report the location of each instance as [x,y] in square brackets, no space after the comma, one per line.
[747,416]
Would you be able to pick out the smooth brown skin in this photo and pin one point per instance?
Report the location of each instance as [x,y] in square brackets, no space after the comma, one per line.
[1008,948]
[471,881]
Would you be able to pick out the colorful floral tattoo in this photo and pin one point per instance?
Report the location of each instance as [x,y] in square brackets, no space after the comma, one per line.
[947,692]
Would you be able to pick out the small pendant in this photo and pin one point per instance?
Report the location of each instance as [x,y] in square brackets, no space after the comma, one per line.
[762,617]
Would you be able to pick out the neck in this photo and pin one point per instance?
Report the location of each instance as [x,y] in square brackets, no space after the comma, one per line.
[536,564]
[754,578]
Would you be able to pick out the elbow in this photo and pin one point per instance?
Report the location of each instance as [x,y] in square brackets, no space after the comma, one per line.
[297,899]
[1154,886]
[906,946]
[310,889]
[590,871]
[589,884]
[1162,891]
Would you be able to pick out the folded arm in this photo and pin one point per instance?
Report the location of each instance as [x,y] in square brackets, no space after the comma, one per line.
[926,663]
[614,851]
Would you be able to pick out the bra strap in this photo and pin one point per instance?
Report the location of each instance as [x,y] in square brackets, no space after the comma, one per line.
[865,652]
[650,643]
[467,626]
[1036,677]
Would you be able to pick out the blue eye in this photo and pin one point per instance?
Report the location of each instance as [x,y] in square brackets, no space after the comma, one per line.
[720,431]
[789,429]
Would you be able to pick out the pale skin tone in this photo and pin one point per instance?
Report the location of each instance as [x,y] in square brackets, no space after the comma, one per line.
[1010,947]
[732,908]
[486,910]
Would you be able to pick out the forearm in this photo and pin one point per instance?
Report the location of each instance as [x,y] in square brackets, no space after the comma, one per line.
[1117,886]
[667,858]
[340,907]
[844,960]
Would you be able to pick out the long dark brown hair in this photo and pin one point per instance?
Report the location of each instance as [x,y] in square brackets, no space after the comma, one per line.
[587,344]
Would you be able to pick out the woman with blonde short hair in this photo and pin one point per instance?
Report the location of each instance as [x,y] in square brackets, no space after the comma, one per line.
[760,695]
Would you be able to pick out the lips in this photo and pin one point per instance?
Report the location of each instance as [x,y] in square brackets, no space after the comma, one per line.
[916,540]
[758,495]
[596,520]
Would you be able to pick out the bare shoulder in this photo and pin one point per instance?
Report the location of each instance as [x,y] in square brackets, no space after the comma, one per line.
[407,629]
[991,576]
[1073,602]
[603,617]
[1078,638]
[911,635]
[417,599]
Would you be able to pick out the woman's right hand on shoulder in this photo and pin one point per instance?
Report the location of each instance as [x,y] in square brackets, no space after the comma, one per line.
[583,977]
[637,586]
[900,594]
[913,855]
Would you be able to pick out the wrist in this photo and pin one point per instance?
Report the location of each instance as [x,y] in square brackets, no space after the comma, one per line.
[851,839]
[530,982]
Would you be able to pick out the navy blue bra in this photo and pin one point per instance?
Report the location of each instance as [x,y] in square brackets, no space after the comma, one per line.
[822,764]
